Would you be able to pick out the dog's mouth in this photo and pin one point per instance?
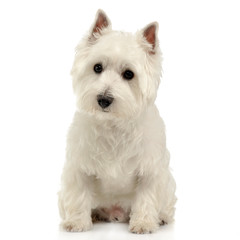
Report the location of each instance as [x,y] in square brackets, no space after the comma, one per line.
[104,110]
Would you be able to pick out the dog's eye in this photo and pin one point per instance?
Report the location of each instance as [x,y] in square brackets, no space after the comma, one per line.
[98,68]
[128,75]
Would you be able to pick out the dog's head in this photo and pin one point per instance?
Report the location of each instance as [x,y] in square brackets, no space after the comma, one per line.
[116,74]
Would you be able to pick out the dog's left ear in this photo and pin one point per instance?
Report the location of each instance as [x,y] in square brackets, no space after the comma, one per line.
[149,34]
[101,23]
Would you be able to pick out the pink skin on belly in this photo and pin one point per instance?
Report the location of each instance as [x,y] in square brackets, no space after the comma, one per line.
[113,214]
[117,214]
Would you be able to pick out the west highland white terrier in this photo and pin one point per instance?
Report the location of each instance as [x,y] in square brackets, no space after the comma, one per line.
[117,163]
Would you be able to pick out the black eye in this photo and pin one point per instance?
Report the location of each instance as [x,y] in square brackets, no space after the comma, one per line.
[128,75]
[98,68]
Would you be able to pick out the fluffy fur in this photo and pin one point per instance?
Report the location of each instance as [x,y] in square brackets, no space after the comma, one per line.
[117,163]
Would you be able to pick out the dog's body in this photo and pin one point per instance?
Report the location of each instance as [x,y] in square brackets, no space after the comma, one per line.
[117,163]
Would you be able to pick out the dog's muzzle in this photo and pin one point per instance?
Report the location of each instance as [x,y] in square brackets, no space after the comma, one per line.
[104,101]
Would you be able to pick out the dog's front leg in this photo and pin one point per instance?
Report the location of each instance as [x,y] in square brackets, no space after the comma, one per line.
[144,213]
[75,201]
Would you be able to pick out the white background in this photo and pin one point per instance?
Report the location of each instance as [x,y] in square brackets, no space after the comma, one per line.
[198,98]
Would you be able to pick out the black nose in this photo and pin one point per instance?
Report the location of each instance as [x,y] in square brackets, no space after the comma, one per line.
[104,101]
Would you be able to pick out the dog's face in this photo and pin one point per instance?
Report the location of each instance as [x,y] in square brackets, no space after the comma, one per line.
[116,74]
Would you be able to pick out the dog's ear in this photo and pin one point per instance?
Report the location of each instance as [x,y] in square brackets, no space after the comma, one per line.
[148,40]
[149,34]
[101,23]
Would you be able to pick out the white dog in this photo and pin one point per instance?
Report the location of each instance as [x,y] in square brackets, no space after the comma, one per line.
[117,163]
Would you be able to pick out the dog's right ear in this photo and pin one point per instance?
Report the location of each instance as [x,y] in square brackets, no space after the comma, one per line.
[101,23]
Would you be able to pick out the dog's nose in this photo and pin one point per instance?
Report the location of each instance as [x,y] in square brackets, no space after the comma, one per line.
[104,101]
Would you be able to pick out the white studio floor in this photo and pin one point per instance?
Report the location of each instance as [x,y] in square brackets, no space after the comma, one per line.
[117,231]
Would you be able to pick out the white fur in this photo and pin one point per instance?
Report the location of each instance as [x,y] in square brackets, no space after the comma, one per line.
[118,156]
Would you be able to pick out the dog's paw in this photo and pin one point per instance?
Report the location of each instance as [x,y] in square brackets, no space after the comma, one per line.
[77,226]
[143,226]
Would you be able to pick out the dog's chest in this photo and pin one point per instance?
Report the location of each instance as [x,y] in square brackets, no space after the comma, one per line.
[114,152]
